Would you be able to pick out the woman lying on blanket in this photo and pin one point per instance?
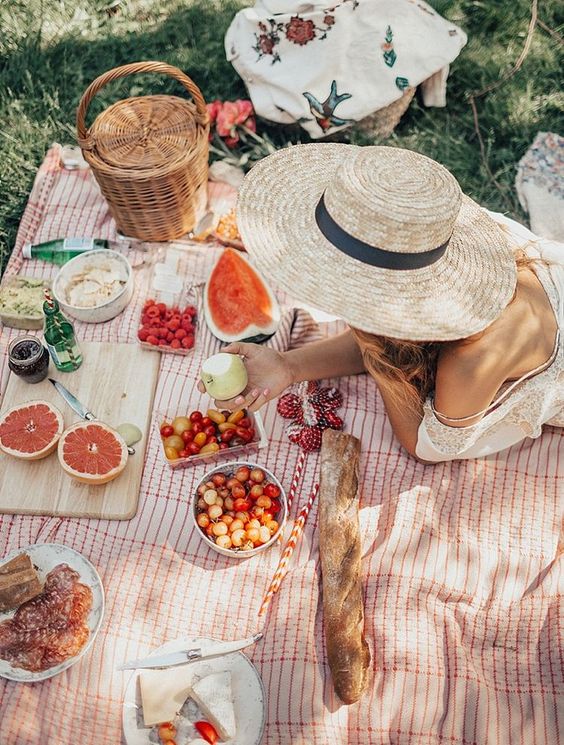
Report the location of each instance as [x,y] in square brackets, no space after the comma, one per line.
[459,323]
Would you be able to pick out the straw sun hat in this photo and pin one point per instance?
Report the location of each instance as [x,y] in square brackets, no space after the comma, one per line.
[382,237]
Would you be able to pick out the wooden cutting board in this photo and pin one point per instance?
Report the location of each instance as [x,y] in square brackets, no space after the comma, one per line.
[115,381]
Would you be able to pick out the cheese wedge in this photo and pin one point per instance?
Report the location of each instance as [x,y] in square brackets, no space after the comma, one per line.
[163,693]
[214,696]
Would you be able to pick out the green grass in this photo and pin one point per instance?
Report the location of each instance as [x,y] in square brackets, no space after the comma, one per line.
[51,49]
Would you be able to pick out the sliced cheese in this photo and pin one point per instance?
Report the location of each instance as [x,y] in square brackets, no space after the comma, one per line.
[163,693]
[214,696]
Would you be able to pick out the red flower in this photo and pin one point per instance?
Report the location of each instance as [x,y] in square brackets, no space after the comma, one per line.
[266,44]
[300,31]
[329,20]
[213,110]
[231,115]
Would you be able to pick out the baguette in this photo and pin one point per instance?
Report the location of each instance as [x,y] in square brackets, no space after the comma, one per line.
[340,552]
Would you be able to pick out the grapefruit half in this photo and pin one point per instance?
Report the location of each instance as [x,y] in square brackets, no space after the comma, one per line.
[92,452]
[30,431]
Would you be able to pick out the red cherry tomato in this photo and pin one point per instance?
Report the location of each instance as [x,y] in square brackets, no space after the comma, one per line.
[184,453]
[197,427]
[274,507]
[206,730]
[196,416]
[228,435]
[244,434]
[211,438]
[272,491]
[223,446]
[187,435]
[167,430]
[245,422]
[192,448]
[206,421]
[209,430]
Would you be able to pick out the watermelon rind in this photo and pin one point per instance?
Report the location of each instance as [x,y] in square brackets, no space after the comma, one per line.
[252,333]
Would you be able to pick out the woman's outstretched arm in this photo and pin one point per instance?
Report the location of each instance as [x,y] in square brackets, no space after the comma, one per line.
[271,372]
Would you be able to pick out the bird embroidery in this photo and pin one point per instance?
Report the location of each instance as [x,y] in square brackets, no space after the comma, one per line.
[323,111]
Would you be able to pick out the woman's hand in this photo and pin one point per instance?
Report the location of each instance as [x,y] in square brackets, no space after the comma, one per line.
[269,374]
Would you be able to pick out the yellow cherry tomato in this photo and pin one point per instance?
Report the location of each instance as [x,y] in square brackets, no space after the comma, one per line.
[236,416]
[200,439]
[216,416]
[171,453]
[211,447]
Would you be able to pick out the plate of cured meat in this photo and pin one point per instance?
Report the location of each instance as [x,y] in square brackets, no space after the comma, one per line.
[51,607]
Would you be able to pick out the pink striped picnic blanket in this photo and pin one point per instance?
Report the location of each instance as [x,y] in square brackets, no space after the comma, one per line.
[461,567]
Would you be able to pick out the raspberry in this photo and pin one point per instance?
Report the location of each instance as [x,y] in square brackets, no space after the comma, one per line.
[289,406]
[310,439]
[332,420]
[329,398]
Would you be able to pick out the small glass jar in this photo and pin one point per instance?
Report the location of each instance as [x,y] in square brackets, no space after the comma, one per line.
[28,359]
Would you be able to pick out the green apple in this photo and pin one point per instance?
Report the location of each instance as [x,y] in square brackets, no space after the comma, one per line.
[224,376]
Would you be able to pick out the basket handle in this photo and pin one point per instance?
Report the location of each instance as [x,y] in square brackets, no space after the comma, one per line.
[84,139]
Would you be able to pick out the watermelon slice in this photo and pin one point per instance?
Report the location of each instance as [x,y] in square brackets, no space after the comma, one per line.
[238,304]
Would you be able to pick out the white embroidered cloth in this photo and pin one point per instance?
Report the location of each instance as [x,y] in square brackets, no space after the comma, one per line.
[328,67]
[540,185]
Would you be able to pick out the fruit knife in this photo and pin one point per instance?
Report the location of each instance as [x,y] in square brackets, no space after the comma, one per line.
[82,411]
[205,650]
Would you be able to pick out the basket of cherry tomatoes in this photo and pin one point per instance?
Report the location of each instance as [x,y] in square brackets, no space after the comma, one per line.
[197,436]
[240,509]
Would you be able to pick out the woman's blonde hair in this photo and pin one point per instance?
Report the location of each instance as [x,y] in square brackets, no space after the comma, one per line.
[407,369]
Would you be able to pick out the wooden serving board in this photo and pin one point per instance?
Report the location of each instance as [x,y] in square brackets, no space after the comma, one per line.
[115,381]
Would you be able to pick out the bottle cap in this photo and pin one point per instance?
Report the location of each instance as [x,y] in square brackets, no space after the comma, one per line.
[26,252]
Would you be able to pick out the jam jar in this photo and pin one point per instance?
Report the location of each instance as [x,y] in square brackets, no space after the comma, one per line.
[28,358]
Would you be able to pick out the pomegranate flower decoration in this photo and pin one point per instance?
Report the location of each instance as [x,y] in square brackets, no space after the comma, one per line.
[228,117]
[312,410]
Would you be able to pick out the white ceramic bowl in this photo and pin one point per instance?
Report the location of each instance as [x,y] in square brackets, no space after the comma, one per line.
[230,468]
[109,308]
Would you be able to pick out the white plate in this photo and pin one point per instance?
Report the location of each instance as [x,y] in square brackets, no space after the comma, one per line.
[46,556]
[248,699]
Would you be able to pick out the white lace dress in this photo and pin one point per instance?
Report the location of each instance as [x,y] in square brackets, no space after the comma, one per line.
[533,401]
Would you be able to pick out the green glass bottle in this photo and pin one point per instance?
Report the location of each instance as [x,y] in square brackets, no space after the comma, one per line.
[60,337]
[62,250]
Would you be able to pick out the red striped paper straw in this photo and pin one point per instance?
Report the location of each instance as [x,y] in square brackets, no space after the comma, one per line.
[282,567]
[296,480]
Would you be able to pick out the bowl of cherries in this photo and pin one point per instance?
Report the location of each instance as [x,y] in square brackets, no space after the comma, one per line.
[240,509]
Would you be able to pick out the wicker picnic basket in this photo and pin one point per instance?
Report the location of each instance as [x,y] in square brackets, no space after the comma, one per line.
[382,123]
[149,155]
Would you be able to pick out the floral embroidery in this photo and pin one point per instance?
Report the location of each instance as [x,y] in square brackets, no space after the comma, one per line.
[268,39]
[402,83]
[543,164]
[323,111]
[388,48]
[297,30]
